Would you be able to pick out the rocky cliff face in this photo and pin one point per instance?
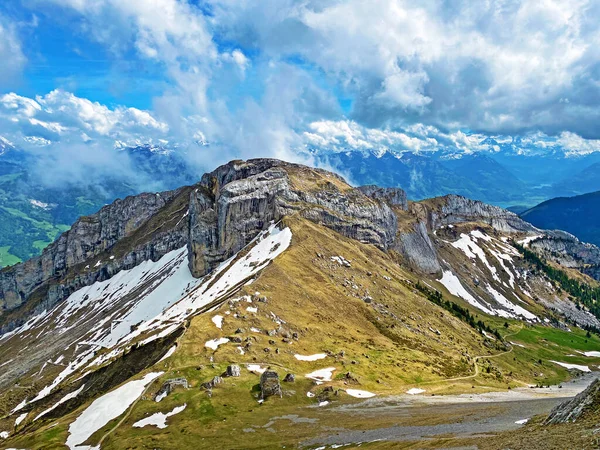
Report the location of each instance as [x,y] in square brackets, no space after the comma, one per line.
[391,196]
[457,209]
[118,237]
[574,408]
[214,219]
[238,200]
[565,249]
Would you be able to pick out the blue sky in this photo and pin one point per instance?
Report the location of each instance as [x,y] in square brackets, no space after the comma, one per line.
[270,77]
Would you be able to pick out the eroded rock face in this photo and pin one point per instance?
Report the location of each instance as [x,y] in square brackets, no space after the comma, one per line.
[416,247]
[392,196]
[573,409]
[565,249]
[240,199]
[459,209]
[119,236]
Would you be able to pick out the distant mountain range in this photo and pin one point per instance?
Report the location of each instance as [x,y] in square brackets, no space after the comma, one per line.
[501,178]
[578,215]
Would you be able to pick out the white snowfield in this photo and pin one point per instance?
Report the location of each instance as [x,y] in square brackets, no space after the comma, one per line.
[159,420]
[476,246]
[359,394]
[256,368]
[20,419]
[147,302]
[572,366]
[592,354]
[311,357]
[218,321]
[454,286]
[104,409]
[168,354]
[525,242]
[321,374]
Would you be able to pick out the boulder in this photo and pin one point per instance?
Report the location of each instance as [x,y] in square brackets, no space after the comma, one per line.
[269,384]
[233,371]
[289,378]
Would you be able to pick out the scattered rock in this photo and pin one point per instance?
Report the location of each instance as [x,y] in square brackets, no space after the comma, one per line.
[212,383]
[233,371]
[289,378]
[170,385]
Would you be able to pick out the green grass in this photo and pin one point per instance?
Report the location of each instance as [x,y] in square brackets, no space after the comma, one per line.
[6,258]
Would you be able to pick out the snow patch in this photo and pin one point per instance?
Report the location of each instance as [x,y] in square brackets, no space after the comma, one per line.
[255,368]
[60,402]
[452,283]
[509,305]
[218,321]
[168,354]
[572,366]
[20,419]
[310,357]
[159,420]
[359,394]
[214,343]
[321,374]
[104,409]
[415,391]
[522,421]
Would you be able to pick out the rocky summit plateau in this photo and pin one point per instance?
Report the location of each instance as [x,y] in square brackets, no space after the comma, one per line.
[274,305]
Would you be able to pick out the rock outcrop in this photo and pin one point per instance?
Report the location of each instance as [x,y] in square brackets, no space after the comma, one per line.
[574,408]
[392,196]
[238,200]
[119,236]
[456,209]
[565,249]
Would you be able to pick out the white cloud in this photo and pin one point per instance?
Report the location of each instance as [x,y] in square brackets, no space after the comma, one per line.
[62,116]
[496,66]
[11,52]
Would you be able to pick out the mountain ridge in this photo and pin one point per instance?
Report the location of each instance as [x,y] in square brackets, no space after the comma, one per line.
[265,263]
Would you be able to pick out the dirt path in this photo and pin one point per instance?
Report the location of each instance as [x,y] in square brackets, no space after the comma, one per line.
[477,358]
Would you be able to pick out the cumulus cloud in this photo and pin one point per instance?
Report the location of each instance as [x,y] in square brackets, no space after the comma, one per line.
[494,66]
[62,117]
